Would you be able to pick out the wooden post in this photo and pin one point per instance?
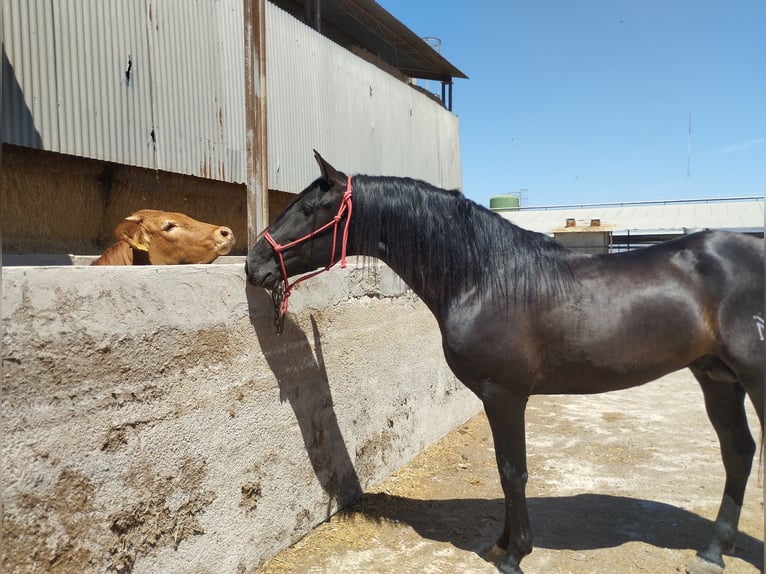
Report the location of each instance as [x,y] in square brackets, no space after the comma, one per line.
[255,119]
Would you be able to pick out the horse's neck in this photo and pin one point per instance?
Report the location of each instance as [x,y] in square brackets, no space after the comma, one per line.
[425,280]
[446,248]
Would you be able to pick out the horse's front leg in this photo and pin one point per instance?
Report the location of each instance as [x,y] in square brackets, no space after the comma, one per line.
[505,412]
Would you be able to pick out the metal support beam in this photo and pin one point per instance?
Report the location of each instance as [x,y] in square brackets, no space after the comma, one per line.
[255,119]
[447,94]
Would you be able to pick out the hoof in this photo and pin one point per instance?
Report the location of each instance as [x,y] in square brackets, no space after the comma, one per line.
[495,553]
[504,562]
[699,565]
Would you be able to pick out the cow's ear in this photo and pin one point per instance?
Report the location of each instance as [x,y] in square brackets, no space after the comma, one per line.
[136,244]
[133,233]
[329,173]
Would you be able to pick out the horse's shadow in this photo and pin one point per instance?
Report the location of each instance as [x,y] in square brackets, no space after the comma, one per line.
[303,383]
[580,522]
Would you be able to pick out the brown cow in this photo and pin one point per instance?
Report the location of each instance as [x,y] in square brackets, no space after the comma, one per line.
[151,237]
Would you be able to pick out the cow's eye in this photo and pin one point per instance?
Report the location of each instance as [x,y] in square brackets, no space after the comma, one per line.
[307,209]
[168,225]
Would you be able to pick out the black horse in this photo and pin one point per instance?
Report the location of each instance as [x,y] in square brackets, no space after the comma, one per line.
[520,314]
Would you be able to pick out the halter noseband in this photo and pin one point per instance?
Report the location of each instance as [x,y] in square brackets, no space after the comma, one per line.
[281,295]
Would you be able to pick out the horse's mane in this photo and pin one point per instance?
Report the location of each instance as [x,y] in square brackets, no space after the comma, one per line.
[445,243]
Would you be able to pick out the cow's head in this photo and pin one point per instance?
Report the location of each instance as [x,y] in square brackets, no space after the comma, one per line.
[174,238]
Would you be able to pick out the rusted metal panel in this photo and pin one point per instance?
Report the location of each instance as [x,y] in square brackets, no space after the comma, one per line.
[102,95]
[255,117]
[359,117]
[75,81]
[197,51]
[29,118]
[157,84]
[161,84]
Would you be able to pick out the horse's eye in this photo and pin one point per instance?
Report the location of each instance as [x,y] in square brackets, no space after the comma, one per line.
[306,209]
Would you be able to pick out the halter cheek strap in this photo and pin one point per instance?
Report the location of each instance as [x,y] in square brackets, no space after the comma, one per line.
[281,297]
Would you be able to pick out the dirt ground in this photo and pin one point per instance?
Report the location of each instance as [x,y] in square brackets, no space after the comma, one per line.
[627,481]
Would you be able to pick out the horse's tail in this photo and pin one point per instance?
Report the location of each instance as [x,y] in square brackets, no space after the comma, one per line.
[760,457]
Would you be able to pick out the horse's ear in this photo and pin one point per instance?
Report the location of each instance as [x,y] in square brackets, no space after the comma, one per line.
[329,173]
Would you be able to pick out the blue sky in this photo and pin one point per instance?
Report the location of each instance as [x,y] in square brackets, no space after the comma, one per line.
[587,101]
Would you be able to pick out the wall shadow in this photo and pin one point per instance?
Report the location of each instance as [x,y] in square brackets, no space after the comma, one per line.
[580,522]
[303,383]
[17,125]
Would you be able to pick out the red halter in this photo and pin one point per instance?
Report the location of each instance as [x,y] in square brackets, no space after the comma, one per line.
[281,298]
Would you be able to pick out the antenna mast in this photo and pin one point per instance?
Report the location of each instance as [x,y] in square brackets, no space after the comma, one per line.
[689,159]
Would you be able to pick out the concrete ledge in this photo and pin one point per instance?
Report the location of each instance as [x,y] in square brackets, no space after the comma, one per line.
[67,259]
[153,422]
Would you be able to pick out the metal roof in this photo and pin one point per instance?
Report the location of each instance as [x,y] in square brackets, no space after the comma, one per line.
[366,24]
[647,218]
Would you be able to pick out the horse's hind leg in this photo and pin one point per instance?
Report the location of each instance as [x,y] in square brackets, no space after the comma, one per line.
[725,406]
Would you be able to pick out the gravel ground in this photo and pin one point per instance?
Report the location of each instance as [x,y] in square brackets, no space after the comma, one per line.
[627,481]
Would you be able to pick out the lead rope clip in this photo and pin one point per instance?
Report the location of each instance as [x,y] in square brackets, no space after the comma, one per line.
[277,297]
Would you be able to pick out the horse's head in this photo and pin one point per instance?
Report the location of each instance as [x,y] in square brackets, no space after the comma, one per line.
[314,208]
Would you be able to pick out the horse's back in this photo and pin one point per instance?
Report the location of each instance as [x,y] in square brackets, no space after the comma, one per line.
[720,264]
[741,252]
[624,319]
[717,254]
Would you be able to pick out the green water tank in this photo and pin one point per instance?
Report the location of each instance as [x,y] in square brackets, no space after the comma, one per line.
[505,201]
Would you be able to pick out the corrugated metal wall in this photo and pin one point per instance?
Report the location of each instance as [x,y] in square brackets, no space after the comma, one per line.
[152,83]
[160,84]
[360,118]
[198,72]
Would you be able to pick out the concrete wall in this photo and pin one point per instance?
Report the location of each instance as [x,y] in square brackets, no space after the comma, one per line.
[153,422]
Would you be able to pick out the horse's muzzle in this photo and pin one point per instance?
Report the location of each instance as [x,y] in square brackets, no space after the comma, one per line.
[261,275]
